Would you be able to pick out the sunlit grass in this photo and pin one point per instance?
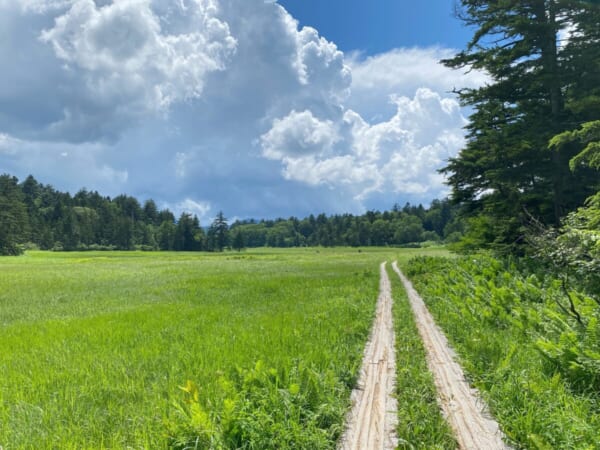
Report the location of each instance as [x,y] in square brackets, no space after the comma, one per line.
[493,321]
[94,346]
[420,421]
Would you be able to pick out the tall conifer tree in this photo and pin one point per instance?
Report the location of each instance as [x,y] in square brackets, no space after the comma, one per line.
[542,58]
[13,216]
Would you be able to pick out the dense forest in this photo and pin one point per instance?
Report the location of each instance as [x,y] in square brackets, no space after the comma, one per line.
[35,215]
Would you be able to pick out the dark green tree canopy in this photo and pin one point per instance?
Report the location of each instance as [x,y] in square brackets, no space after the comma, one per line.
[541,84]
[14,223]
[90,221]
[237,241]
[218,234]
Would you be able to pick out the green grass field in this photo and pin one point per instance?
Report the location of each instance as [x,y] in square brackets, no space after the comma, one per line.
[95,347]
[499,321]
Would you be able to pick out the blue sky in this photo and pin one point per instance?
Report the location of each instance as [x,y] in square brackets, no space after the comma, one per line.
[378,26]
[257,108]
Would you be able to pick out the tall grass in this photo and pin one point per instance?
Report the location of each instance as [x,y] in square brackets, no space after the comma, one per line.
[507,329]
[95,348]
[420,421]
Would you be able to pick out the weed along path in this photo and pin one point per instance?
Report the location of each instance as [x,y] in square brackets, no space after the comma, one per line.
[371,423]
[465,411]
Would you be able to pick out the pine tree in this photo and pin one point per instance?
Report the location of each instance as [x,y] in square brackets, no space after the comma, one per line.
[14,223]
[237,242]
[506,171]
[188,234]
[218,234]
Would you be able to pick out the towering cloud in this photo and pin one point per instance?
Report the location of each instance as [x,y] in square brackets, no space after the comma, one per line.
[218,104]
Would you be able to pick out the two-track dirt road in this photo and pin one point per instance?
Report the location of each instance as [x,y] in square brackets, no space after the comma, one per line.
[372,421]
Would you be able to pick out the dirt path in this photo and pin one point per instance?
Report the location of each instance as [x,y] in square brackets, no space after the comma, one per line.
[465,411]
[371,423]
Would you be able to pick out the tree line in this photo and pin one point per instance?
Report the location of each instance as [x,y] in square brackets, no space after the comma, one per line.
[35,215]
[401,226]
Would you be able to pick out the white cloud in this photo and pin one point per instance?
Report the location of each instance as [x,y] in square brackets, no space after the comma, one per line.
[189,206]
[298,134]
[405,69]
[8,144]
[128,64]
[320,63]
[108,173]
[39,6]
[227,101]
[398,155]
[338,170]
[401,72]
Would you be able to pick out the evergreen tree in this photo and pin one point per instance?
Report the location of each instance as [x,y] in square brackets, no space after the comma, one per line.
[188,234]
[31,196]
[218,234]
[573,251]
[166,235]
[123,237]
[505,171]
[13,216]
[151,212]
[237,242]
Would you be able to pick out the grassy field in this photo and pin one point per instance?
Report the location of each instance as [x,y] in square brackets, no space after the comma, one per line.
[96,347]
[536,367]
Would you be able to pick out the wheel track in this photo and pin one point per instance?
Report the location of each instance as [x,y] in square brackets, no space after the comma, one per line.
[371,423]
[467,414]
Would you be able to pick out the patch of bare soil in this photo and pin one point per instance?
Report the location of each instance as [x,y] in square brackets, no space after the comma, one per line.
[466,412]
[372,421]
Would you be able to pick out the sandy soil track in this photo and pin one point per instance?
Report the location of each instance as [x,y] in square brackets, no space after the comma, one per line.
[465,411]
[371,423]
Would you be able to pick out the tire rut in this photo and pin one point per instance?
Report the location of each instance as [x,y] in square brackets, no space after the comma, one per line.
[371,422]
[465,411]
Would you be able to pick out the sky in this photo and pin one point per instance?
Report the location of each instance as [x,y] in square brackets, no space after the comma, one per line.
[256,108]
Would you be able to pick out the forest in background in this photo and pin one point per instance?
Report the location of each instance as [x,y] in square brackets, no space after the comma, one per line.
[35,215]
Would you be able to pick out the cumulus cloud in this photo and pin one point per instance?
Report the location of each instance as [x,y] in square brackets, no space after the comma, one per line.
[399,155]
[320,62]
[298,134]
[194,207]
[128,63]
[405,69]
[338,170]
[206,105]
[401,72]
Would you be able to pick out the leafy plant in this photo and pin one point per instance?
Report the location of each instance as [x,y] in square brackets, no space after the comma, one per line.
[261,408]
[536,363]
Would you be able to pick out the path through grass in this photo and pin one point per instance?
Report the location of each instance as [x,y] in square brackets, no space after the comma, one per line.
[94,346]
[420,421]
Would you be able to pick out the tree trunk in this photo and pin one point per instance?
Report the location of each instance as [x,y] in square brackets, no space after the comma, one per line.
[546,16]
